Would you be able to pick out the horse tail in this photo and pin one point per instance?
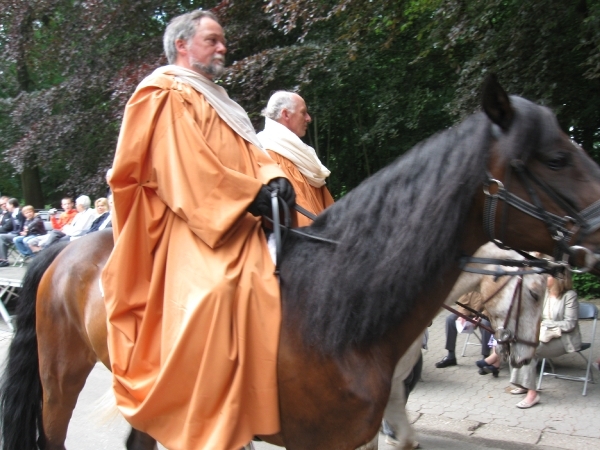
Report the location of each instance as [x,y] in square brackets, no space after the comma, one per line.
[21,387]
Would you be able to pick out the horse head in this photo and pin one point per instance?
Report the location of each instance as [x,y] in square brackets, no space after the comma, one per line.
[515,313]
[537,173]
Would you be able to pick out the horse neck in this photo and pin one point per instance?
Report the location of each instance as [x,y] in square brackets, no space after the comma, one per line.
[397,232]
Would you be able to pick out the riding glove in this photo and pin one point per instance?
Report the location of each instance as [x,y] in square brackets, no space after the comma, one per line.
[261,205]
[285,190]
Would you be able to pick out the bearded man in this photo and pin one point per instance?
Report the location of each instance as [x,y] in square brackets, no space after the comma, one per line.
[286,121]
[193,305]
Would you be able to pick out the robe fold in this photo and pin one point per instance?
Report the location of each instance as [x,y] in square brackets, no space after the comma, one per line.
[193,306]
[313,199]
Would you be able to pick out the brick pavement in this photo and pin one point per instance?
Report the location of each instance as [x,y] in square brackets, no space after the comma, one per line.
[457,400]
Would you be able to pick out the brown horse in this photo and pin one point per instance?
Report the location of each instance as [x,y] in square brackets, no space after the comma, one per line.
[350,308]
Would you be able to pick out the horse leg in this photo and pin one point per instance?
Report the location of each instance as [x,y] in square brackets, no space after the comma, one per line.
[65,363]
[397,427]
[138,440]
[397,419]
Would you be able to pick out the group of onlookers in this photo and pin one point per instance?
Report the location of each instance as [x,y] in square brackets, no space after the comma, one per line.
[24,228]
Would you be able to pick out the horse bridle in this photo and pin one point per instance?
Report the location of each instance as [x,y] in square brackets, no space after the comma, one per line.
[562,229]
[503,335]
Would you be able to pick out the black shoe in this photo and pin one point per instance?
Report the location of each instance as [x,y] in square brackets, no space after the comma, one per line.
[4,263]
[445,362]
[491,369]
[481,363]
[482,372]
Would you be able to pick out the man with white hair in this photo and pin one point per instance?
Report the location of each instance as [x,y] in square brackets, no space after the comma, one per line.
[78,227]
[192,302]
[286,121]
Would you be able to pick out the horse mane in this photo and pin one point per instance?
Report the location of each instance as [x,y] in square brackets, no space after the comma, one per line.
[397,233]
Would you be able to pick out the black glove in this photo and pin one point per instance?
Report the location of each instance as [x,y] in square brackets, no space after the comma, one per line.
[261,205]
[285,190]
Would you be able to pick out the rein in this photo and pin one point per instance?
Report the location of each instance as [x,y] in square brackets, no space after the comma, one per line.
[503,335]
[530,266]
[477,313]
[280,230]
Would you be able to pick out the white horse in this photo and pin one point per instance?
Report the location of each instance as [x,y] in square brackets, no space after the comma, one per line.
[497,307]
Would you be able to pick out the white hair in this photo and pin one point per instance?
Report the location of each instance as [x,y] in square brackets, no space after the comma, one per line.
[183,27]
[84,201]
[279,101]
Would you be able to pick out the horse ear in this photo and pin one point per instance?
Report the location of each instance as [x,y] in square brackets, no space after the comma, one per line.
[496,103]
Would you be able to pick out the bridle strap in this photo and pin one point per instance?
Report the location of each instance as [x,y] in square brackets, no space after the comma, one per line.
[476,322]
[505,337]
[561,229]
[477,313]
[531,265]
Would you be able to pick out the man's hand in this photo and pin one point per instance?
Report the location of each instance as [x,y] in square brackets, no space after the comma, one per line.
[261,205]
[286,191]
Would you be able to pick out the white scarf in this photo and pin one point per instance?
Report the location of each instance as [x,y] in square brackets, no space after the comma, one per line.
[282,140]
[228,110]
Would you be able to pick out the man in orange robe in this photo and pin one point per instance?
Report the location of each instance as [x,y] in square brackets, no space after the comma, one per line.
[286,120]
[193,305]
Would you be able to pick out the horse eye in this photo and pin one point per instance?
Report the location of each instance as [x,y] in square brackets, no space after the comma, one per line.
[558,163]
[535,295]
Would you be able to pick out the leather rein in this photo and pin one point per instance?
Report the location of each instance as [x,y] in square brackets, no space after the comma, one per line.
[503,335]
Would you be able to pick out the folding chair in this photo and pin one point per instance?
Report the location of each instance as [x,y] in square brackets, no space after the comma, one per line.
[469,332]
[587,311]
[13,256]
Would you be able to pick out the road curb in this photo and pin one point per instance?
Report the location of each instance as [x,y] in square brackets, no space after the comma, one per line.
[500,436]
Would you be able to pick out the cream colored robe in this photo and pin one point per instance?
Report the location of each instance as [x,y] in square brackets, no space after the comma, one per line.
[193,305]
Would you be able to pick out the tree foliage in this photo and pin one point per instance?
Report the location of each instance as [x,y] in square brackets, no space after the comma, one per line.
[378,76]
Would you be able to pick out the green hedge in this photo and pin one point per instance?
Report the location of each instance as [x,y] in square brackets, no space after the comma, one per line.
[586,285]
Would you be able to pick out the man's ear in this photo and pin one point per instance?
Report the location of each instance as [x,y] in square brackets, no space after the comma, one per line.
[181,46]
[285,116]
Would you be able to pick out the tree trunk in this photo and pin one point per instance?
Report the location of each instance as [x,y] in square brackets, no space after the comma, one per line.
[32,187]
[30,177]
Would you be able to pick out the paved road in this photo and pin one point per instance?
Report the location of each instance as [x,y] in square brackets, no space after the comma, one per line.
[452,408]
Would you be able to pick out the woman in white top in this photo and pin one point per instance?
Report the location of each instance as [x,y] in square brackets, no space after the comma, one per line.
[559,334]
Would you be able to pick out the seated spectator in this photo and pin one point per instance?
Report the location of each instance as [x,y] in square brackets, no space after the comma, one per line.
[17,219]
[103,219]
[6,223]
[472,300]
[33,227]
[559,334]
[64,218]
[80,224]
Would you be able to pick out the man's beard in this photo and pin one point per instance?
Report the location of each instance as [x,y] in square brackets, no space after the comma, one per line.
[214,69]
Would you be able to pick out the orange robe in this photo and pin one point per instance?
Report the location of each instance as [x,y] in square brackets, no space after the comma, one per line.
[309,197]
[193,305]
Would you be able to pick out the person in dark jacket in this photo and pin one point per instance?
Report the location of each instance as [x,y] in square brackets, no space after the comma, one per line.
[32,228]
[17,218]
[6,223]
